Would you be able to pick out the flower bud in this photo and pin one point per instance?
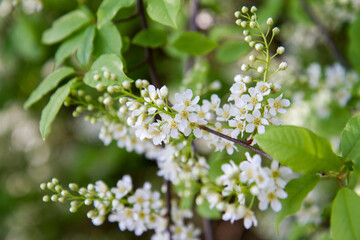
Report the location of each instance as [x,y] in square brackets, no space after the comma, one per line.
[245,67]
[123,100]
[252,43]
[160,103]
[138,83]
[280,50]
[252,58]
[244,9]
[238,22]
[113,77]
[283,66]
[246,32]
[260,69]
[145,83]
[270,22]
[252,24]
[244,24]
[237,14]
[107,74]
[108,101]
[164,92]
[73,186]
[96,77]
[248,39]
[253,9]
[126,85]
[43,186]
[100,87]
[275,30]
[259,46]
[247,79]
[46,198]
[110,89]
[54,198]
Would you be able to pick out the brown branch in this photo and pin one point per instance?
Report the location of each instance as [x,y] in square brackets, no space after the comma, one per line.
[208,233]
[148,51]
[194,9]
[336,53]
[237,141]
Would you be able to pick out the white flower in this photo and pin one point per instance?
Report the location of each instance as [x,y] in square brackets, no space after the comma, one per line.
[156,134]
[123,187]
[249,219]
[170,127]
[271,195]
[226,112]
[186,99]
[263,88]
[279,174]
[253,100]
[214,104]
[233,213]
[256,121]
[239,126]
[249,169]
[277,104]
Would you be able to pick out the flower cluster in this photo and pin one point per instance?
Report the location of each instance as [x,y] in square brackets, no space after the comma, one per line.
[28,6]
[241,183]
[137,210]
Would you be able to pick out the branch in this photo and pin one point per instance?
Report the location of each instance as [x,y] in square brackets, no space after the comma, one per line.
[194,9]
[236,141]
[336,53]
[207,229]
[148,51]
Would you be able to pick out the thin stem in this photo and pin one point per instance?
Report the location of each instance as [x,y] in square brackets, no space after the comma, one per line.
[194,9]
[168,205]
[237,141]
[207,229]
[331,43]
[148,51]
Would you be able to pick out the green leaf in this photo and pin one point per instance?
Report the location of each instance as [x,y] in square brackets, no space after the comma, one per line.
[111,63]
[109,8]
[297,189]
[354,44]
[205,211]
[86,46]
[299,149]
[194,43]
[108,40]
[164,11]
[232,50]
[50,111]
[48,84]
[65,26]
[345,215]
[69,47]
[270,9]
[350,140]
[150,38]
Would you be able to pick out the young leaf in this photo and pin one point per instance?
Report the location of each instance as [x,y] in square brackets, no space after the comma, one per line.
[299,149]
[297,189]
[50,111]
[231,51]
[164,11]
[194,43]
[65,26]
[150,38]
[109,8]
[345,215]
[350,140]
[48,84]
[108,40]
[69,47]
[86,46]
[205,211]
[111,63]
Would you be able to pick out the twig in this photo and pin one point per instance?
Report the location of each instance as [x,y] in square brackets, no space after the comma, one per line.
[136,66]
[148,51]
[208,233]
[332,46]
[149,59]
[236,141]
[194,9]
[132,16]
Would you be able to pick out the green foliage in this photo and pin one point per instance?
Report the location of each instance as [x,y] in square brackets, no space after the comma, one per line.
[345,215]
[86,46]
[108,40]
[48,84]
[297,189]
[49,113]
[231,51]
[150,38]
[299,149]
[270,9]
[350,140]
[111,63]
[69,47]
[194,43]
[164,11]
[205,211]
[108,10]
[66,25]
[354,45]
